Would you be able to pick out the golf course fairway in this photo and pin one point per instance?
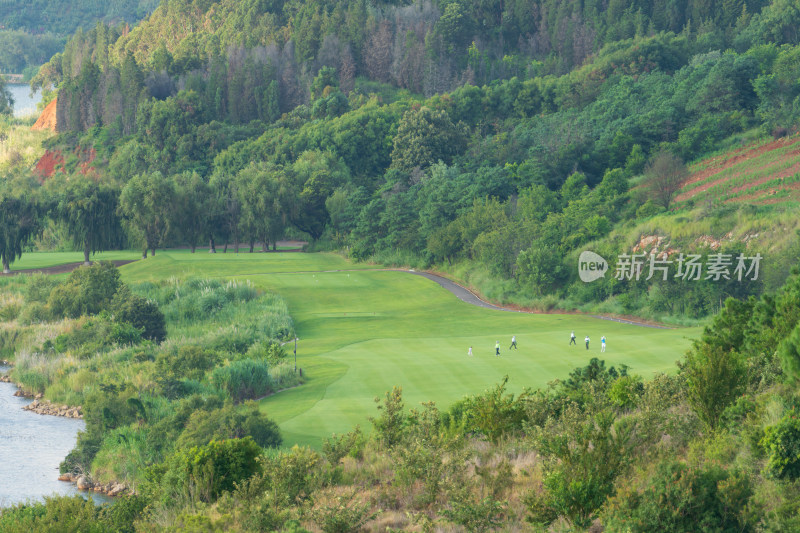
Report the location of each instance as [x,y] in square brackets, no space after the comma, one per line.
[363,330]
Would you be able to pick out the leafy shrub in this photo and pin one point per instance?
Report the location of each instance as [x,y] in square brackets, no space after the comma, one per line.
[59,513]
[271,351]
[34,313]
[337,447]
[681,498]
[92,335]
[164,432]
[87,291]
[244,379]
[493,414]
[789,352]
[287,479]
[104,410]
[715,378]
[733,416]
[782,444]
[625,391]
[483,515]
[587,453]
[121,515]
[39,287]
[341,514]
[141,313]
[230,422]
[187,362]
[203,473]
[390,426]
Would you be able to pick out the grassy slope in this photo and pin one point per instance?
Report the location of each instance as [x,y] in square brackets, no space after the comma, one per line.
[364,331]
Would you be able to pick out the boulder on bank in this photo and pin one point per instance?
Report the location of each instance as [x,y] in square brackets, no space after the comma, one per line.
[44,407]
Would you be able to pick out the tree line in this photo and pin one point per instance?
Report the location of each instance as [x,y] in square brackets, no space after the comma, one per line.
[514,175]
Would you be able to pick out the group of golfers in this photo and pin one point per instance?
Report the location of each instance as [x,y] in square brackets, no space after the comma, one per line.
[586,340]
[571,342]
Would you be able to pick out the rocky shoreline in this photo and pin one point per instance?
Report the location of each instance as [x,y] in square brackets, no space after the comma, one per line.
[82,482]
[45,407]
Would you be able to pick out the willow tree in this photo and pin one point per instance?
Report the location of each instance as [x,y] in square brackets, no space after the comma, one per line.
[88,209]
[19,223]
[148,204]
[192,208]
[265,193]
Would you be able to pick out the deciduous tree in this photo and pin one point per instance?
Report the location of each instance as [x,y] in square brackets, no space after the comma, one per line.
[148,203]
[19,222]
[89,211]
[192,206]
[665,176]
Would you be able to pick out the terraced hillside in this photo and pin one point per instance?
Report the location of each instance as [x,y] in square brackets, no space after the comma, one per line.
[765,172]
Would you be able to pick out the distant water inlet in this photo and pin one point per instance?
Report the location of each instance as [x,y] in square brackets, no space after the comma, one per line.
[24,103]
[31,448]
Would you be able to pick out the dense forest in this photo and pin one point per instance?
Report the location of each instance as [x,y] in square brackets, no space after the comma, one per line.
[466,136]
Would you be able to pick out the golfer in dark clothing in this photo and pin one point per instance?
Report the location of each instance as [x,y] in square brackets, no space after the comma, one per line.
[513,342]
[587,341]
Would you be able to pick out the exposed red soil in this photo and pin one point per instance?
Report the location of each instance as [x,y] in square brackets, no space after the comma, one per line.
[87,157]
[720,163]
[740,157]
[704,187]
[770,201]
[53,161]
[49,163]
[47,120]
[785,173]
[766,196]
[791,171]
[760,194]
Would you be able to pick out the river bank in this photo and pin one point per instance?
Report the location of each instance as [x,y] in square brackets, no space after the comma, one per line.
[32,448]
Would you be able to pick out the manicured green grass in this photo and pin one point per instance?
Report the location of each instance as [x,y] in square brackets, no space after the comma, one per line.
[203,264]
[364,331]
[49,259]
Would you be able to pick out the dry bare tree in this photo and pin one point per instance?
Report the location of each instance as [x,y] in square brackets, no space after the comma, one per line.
[665,175]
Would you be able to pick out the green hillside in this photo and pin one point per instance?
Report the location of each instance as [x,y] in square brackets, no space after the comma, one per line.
[499,165]
[32,31]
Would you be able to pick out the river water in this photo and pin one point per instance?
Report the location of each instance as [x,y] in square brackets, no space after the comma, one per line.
[24,105]
[31,448]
